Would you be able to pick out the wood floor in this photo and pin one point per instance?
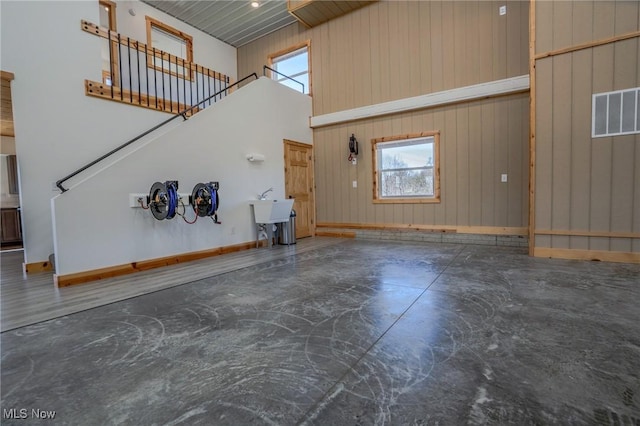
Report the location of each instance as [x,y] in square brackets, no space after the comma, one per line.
[33,298]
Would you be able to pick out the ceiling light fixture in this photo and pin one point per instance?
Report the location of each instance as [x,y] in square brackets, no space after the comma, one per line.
[255,4]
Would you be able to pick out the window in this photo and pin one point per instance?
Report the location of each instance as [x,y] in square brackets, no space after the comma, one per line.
[295,63]
[406,169]
[169,40]
[616,113]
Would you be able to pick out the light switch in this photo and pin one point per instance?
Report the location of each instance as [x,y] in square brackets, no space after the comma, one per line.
[503,10]
[503,178]
[355,183]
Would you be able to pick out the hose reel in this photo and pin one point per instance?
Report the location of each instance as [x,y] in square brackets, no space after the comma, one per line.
[205,200]
[163,199]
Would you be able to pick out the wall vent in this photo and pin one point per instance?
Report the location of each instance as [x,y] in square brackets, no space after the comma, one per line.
[616,113]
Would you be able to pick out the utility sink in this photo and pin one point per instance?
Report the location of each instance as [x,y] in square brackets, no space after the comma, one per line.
[272,211]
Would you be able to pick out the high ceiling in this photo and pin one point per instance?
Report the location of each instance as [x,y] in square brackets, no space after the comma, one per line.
[235,22]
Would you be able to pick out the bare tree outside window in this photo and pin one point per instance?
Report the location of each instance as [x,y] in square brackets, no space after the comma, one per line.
[406,170]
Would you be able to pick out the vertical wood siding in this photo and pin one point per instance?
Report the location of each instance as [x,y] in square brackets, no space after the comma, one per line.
[396,49]
[584,183]
[474,150]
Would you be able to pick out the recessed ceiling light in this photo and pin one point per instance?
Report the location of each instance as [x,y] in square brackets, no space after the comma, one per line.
[255,4]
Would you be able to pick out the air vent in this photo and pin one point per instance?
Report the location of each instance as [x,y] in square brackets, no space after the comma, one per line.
[616,113]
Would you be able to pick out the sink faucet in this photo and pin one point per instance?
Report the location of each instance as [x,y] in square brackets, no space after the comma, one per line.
[263,196]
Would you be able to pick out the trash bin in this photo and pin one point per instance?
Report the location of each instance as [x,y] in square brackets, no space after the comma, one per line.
[287,230]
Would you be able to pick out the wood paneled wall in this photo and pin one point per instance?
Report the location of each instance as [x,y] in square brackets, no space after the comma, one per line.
[584,185]
[478,142]
[398,49]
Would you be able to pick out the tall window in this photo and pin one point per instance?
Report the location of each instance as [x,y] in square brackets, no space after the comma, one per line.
[406,168]
[169,40]
[293,63]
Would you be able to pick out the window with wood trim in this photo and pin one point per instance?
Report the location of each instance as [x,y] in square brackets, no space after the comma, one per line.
[406,168]
[166,41]
[293,63]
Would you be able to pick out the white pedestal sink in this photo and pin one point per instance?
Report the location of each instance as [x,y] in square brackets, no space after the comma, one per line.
[268,212]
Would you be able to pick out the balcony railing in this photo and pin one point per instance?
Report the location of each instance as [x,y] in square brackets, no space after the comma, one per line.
[151,78]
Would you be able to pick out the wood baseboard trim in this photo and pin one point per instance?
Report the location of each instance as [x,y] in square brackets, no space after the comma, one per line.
[130,268]
[336,234]
[484,230]
[598,255]
[31,268]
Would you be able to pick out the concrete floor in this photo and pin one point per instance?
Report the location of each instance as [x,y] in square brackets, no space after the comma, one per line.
[356,333]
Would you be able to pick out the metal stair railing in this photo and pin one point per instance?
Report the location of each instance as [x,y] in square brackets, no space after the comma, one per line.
[182,114]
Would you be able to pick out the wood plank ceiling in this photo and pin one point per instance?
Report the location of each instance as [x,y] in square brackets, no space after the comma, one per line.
[315,12]
[237,23]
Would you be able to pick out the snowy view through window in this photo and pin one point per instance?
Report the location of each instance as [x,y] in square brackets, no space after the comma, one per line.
[406,168]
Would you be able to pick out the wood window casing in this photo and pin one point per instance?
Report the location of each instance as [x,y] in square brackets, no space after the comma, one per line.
[186,62]
[377,198]
[271,58]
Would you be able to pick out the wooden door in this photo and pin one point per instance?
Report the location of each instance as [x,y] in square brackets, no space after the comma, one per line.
[298,175]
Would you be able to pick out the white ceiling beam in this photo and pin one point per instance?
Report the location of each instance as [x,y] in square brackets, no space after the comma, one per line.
[446,97]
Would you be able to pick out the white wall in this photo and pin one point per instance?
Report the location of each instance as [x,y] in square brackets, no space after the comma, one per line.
[207,51]
[59,129]
[96,228]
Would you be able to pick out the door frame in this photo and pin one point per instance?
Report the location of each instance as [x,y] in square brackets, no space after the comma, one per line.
[312,195]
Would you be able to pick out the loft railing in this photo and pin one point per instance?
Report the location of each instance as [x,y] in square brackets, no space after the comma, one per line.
[264,73]
[183,114]
[151,78]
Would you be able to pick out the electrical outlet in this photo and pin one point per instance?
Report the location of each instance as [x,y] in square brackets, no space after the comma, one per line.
[133,199]
[184,198]
[503,10]
[355,183]
[354,161]
[503,178]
